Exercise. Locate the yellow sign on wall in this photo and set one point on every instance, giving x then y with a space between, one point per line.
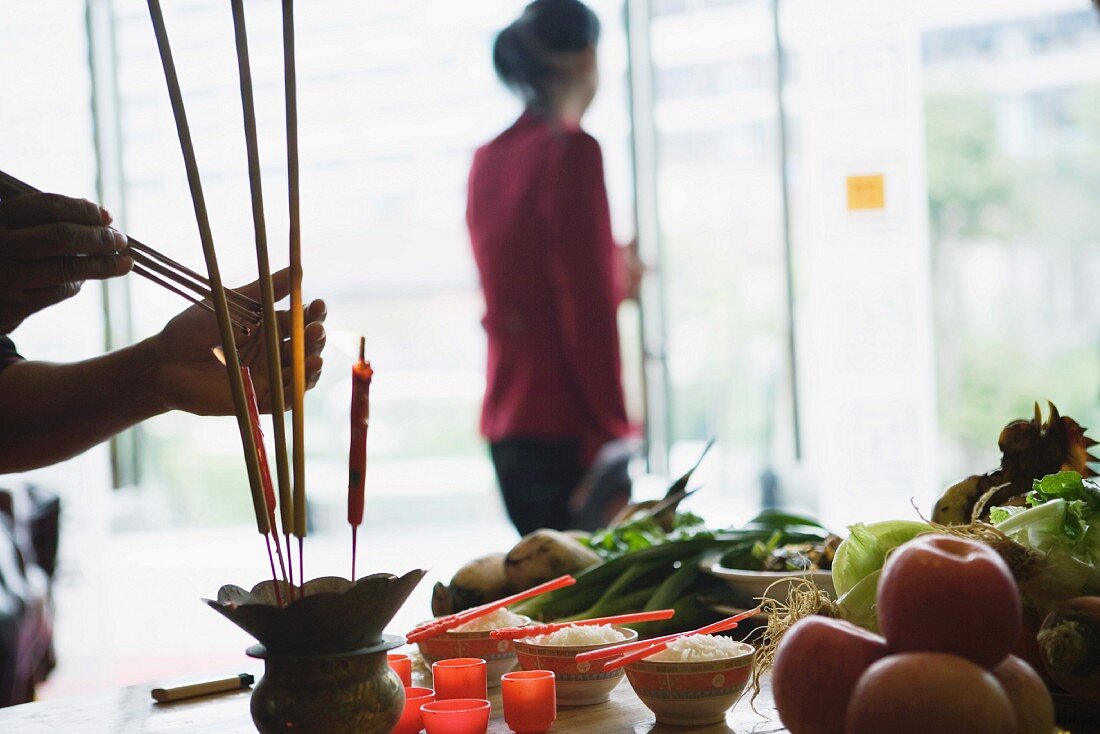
866 192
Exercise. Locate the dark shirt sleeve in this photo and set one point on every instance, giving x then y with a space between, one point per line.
582 264
8 355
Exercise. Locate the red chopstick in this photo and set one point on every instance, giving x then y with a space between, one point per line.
639 654
623 648
441 625
516 633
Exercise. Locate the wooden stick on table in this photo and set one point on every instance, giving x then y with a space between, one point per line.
221 306
297 314
267 290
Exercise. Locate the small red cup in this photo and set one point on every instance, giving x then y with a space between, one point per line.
401 665
456 716
530 700
460 678
410 721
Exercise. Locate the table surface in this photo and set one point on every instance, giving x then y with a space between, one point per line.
132 710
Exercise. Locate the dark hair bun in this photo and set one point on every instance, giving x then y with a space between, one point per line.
523 52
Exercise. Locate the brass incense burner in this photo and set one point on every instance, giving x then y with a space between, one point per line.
324 653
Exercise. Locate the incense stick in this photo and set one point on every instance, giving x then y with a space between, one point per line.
267 291
297 313
221 306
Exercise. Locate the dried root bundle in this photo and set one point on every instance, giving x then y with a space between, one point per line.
804 599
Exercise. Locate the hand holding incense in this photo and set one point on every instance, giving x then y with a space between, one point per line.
518 633
357 454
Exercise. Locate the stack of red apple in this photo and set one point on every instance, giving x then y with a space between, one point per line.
950 614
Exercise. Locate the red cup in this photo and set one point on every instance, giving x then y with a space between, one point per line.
530 700
401 665
456 716
460 678
410 721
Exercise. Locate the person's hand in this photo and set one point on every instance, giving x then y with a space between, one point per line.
49 245
190 377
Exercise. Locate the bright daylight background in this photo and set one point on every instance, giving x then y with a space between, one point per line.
920 329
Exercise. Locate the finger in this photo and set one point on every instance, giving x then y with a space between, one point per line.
314 364
31 274
60 238
36 208
280 283
315 338
317 311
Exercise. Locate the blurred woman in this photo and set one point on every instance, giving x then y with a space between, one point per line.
551 273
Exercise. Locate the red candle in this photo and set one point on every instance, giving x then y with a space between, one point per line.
411 721
456 716
459 678
402 665
530 700
357 453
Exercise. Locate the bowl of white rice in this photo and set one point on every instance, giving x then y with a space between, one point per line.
695 680
578 684
472 640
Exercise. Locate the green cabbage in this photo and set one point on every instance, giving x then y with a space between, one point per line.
864 550
1062 521
858 563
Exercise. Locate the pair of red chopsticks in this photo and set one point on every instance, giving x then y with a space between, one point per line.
516 633
441 625
632 652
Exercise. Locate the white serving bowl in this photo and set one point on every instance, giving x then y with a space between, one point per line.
762 584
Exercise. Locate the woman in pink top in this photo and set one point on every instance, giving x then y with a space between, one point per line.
551 273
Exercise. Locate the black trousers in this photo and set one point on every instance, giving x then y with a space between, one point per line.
536 478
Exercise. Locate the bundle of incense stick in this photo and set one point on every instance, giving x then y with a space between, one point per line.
292 499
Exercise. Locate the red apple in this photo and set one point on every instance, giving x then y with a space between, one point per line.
815 670
943 594
1028 695
926 693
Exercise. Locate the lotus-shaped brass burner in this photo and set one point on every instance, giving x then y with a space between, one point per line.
334 615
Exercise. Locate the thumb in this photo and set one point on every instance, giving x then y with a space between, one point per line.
280 282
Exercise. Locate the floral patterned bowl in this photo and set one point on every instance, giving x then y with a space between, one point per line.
578 684
692 694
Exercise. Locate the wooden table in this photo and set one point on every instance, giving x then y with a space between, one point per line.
132 710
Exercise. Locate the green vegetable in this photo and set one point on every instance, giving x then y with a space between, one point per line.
864 550
1062 521
647 568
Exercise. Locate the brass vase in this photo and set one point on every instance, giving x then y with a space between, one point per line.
324 653
328 693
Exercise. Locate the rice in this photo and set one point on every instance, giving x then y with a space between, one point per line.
589 634
697 648
496 620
